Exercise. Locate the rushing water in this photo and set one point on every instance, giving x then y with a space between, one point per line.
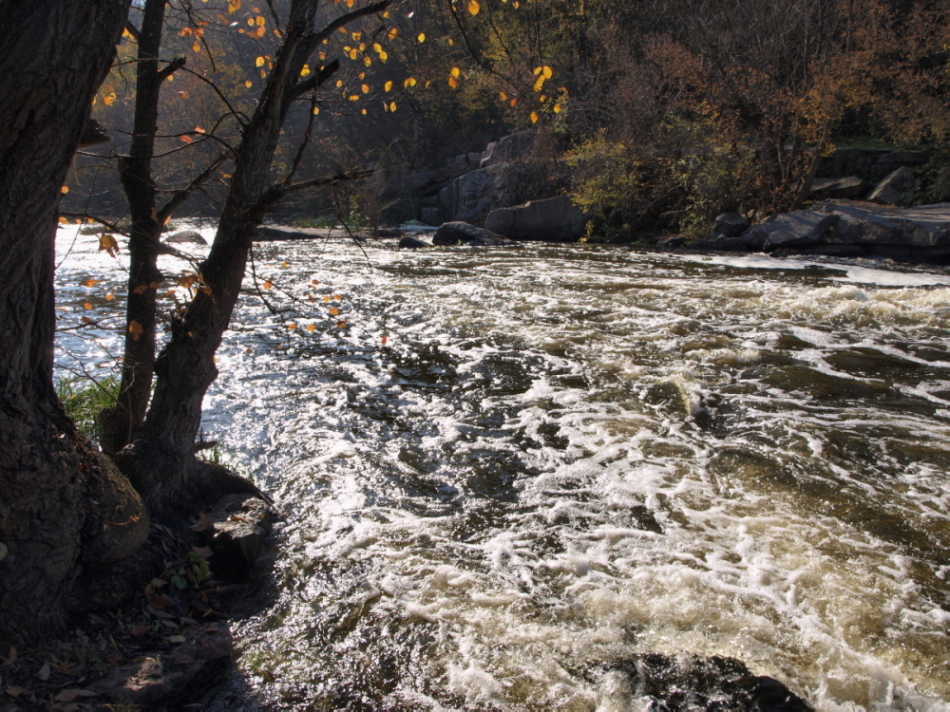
511 468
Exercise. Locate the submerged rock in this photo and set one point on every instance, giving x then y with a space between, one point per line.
412 243
692 682
461 233
186 236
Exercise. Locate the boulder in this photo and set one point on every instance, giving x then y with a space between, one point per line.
730 225
409 242
898 188
801 228
186 236
552 220
462 233
837 188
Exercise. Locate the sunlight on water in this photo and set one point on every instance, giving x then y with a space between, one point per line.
563 457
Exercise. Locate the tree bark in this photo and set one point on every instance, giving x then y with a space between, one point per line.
61 505
120 422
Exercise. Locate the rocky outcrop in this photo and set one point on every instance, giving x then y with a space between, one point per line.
469 186
551 220
917 235
898 188
845 188
462 233
870 164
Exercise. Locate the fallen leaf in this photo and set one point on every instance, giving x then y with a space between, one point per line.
44 672
11 656
67 695
177 639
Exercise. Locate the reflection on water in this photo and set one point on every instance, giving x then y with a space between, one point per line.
512 470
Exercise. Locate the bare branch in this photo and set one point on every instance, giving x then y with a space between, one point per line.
316 80
181 195
171 68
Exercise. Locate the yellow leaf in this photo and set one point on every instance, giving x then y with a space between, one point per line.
109 99
364 88
109 297
248 83
383 57
453 82
63 221
357 36
291 327
367 60
557 108
305 71
421 37
334 311
354 53
90 283
183 95
108 244
377 48
260 20
268 284
64 189
539 84
392 106
196 47
316 110
456 72
534 117
388 86
311 328
473 7
285 264
410 82
547 72
136 330
353 97
259 62
502 96
326 297
87 306
393 33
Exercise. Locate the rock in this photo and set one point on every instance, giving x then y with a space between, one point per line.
462 233
691 682
186 236
412 243
235 530
801 228
837 188
275 233
552 220
388 232
730 225
431 216
516 147
671 242
164 679
721 243
898 188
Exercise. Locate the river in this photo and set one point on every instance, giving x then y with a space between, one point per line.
506 472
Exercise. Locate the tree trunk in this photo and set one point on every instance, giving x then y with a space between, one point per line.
120 422
61 504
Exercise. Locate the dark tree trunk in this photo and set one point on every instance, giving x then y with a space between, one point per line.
61 504
120 422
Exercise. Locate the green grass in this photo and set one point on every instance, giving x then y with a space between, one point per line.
83 399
